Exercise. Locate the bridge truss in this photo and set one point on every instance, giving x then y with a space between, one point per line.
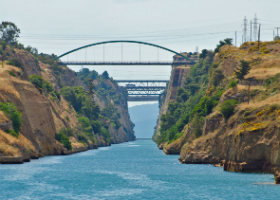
143 90
138 90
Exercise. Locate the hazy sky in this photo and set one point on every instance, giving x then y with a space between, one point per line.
57 26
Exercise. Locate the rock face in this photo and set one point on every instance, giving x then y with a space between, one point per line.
178 75
42 117
249 140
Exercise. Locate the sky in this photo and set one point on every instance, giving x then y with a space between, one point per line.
181 25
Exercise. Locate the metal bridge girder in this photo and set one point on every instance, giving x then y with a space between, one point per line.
125 41
123 63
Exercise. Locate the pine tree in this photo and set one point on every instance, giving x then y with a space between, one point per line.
91 87
242 70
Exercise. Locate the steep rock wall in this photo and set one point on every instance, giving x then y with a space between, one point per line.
43 116
178 75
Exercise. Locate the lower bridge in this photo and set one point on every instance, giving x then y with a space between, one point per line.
143 90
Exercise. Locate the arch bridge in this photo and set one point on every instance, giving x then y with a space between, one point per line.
138 90
183 61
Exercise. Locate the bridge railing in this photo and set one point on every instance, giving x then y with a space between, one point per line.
124 63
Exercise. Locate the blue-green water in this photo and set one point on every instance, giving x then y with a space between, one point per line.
134 170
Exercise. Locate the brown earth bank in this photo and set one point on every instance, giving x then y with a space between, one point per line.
43 116
249 140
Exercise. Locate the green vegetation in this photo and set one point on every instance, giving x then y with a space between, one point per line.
232 84
67 131
227 41
41 84
105 75
203 87
216 76
102 89
190 103
15 62
227 108
62 138
11 73
91 118
56 95
242 70
11 111
3 44
9 32
32 50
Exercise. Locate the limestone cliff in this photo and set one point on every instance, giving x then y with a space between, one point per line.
43 113
248 140
177 77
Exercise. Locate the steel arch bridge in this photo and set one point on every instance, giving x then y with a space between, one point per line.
189 61
136 93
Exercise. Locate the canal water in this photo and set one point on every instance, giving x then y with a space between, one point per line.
133 170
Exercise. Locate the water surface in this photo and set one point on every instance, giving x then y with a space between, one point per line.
133 170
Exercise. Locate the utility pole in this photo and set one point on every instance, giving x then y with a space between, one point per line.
245 29
251 31
236 38
259 36
255 27
277 31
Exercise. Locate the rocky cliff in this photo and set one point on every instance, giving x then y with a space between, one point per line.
45 113
177 78
248 139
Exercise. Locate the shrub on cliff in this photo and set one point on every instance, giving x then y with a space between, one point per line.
197 125
106 134
15 62
217 76
11 111
227 41
40 83
62 138
76 95
227 108
232 84
67 131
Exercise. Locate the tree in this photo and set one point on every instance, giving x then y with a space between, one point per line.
227 108
9 32
197 125
203 54
242 70
105 75
227 41
32 50
217 76
91 87
193 88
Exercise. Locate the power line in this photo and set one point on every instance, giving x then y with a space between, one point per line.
255 27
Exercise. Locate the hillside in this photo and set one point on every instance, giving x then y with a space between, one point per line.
46 109
144 117
223 120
